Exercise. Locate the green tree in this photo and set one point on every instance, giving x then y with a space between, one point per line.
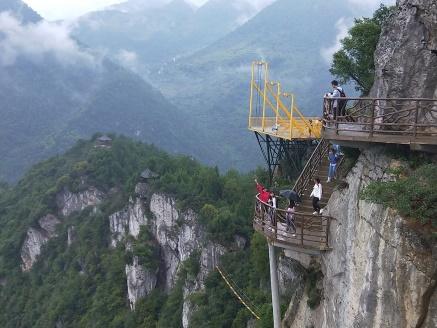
355 60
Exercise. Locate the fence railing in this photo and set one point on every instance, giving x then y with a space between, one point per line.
383 118
311 231
311 167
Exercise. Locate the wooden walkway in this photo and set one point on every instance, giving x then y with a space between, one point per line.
407 121
312 231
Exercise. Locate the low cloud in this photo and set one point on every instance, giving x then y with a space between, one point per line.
129 59
37 41
342 26
249 8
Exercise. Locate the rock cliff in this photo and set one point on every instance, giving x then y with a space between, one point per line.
381 272
406 58
178 236
69 202
36 237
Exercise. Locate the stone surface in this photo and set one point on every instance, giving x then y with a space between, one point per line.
69 202
128 221
405 66
380 271
36 237
140 282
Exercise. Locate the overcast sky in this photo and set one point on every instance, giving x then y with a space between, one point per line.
67 9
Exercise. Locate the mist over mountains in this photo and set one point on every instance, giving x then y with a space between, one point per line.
164 72
55 91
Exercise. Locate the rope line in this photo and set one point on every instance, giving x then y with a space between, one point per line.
236 294
240 291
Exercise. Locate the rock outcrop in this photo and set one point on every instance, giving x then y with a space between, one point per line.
140 282
69 202
127 221
178 236
405 65
36 237
381 272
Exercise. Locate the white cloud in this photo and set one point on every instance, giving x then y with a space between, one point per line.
129 59
342 26
35 41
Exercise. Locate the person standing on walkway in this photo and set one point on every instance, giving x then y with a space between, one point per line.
264 194
338 105
316 195
333 159
289 218
272 209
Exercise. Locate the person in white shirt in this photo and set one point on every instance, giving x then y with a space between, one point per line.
316 194
337 106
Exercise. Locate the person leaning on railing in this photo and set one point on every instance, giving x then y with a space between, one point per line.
335 106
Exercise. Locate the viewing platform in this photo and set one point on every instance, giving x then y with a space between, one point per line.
274 113
358 121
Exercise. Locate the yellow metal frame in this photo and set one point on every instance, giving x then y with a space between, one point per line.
277 118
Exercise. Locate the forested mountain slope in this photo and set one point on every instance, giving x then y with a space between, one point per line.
85 241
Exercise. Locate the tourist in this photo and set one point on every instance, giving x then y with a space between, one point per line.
316 195
263 193
333 158
337 106
289 217
272 208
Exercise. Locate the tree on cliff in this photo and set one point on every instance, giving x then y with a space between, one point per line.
354 61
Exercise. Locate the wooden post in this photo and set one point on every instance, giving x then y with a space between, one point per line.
372 119
416 116
328 226
301 230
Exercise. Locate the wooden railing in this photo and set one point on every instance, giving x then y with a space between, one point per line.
390 120
312 231
311 167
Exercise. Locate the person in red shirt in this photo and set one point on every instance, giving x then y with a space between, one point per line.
264 194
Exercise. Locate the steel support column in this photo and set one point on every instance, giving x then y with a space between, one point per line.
274 287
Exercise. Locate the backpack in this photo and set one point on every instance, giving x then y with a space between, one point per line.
342 102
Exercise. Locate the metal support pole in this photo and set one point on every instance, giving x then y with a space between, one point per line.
275 287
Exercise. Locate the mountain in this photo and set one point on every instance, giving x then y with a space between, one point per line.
144 36
213 83
87 242
20 10
56 92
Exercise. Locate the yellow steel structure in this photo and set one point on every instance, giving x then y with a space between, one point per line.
269 114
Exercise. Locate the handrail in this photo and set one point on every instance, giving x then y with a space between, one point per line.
386 120
311 230
311 166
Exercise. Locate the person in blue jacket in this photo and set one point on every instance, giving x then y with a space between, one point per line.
333 159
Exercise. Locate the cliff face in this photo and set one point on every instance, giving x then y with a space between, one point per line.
178 237
381 272
406 56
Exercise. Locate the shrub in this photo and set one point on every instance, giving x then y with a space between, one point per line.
413 196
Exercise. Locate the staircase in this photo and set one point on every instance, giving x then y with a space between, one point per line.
312 231
327 188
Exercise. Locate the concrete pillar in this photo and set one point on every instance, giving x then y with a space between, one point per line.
275 287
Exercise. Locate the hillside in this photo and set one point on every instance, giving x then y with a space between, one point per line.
85 241
55 91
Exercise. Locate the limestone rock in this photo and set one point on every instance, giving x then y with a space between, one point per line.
140 282
69 202
406 56
127 221
380 273
35 238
